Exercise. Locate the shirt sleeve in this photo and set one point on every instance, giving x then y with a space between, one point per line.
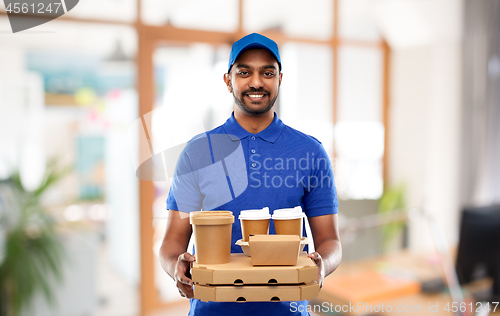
320 196
184 194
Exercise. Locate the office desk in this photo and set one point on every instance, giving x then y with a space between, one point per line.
402 299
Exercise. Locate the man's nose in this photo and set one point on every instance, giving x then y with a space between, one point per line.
256 81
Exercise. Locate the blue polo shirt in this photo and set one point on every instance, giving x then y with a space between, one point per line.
229 168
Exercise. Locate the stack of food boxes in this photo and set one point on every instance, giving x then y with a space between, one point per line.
273 268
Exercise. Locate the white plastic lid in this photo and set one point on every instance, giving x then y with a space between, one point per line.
288 213
255 214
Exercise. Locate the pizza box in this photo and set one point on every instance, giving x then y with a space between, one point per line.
255 293
240 271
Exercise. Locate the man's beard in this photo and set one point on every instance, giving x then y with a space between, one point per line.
250 111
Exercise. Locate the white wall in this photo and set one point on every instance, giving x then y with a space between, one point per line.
425 122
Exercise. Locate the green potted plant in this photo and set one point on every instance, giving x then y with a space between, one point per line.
33 253
391 204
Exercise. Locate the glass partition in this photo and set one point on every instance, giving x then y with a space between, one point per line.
207 15
359 132
313 19
306 96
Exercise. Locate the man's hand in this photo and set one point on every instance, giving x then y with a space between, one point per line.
316 257
183 276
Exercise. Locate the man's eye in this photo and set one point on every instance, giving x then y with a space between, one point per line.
243 73
269 74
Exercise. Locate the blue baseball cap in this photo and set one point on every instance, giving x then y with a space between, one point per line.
253 40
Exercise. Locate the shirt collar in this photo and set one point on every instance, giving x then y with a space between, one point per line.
270 134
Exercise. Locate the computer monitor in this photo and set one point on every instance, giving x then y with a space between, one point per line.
479 248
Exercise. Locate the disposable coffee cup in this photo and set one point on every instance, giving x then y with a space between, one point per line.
254 222
212 236
288 221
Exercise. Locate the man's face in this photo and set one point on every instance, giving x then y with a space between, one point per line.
254 81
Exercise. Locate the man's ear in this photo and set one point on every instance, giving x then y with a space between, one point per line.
281 77
227 80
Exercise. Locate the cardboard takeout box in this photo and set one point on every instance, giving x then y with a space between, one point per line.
255 293
240 271
212 235
246 248
274 249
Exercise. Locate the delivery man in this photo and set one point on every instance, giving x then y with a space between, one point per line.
282 168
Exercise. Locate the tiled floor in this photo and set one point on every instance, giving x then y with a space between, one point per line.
179 309
116 296
119 298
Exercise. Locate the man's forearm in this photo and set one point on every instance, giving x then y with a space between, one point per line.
175 241
169 253
331 253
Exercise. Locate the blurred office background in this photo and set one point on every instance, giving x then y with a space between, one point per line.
402 94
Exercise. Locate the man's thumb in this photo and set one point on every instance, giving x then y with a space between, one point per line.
313 255
187 257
